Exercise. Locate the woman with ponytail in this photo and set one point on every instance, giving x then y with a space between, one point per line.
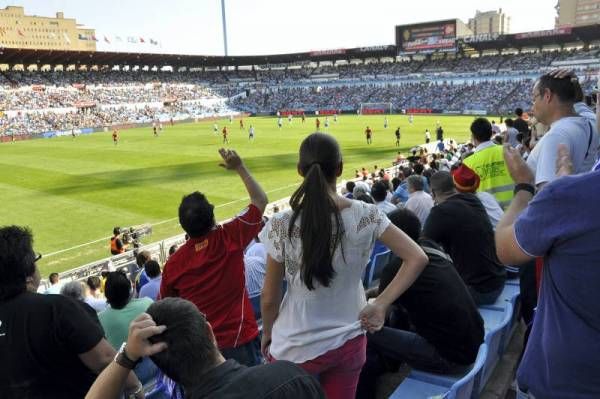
321 247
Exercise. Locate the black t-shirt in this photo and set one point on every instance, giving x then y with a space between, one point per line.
521 126
40 339
440 133
277 380
440 308
461 225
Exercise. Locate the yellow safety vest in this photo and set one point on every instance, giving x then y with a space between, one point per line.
493 173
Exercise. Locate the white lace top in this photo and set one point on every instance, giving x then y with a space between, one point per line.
311 323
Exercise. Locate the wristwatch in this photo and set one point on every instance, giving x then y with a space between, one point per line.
524 187
123 360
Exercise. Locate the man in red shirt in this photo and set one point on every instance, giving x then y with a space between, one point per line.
225 139
369 134
208 269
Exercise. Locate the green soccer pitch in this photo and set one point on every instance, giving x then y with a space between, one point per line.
73 191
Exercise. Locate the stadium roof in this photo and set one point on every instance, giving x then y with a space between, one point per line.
559 36
55 57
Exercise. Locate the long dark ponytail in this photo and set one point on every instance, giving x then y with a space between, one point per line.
320 159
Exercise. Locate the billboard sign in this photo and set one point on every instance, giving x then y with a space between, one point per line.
544 33
426 37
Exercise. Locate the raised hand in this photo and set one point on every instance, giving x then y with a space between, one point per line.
138 344
562 73
518 169
231 159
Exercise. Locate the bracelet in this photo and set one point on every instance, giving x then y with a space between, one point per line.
123 360
524 187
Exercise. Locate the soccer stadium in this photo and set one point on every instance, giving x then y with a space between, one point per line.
361 222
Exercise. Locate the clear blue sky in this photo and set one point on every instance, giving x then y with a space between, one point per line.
271 26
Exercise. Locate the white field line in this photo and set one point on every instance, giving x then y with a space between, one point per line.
161 222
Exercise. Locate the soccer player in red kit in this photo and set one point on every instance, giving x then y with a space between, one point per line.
225 139
369 134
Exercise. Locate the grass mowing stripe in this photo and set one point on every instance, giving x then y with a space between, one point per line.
71 191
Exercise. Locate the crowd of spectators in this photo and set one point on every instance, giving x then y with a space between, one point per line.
490 83
51 97
454 230
492 96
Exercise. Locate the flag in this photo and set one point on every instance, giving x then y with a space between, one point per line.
142 40
153 42
94 38
119 38
20 33
106 40
67 38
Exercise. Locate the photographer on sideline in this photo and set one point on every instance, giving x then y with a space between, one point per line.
116 244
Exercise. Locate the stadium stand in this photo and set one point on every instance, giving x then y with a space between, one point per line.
44 103
38 102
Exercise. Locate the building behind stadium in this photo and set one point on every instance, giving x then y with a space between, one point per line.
18 30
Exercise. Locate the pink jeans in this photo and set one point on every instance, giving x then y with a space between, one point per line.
338 370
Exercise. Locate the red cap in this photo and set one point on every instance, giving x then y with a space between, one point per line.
465 179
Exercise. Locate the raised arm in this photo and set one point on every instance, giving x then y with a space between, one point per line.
110 382
232 161
507 248
99 360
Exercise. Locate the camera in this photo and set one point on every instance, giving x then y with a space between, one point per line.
132 235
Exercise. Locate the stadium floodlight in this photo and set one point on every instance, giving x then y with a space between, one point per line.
375 108
224 27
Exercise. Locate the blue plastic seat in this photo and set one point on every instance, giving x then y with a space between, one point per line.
494 340
492 317
419 385
511 294
375 267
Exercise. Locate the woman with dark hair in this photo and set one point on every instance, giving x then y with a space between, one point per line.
321 246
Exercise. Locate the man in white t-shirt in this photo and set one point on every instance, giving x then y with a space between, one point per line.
510 136
419 202
553 100
55 284
495 128
379 192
